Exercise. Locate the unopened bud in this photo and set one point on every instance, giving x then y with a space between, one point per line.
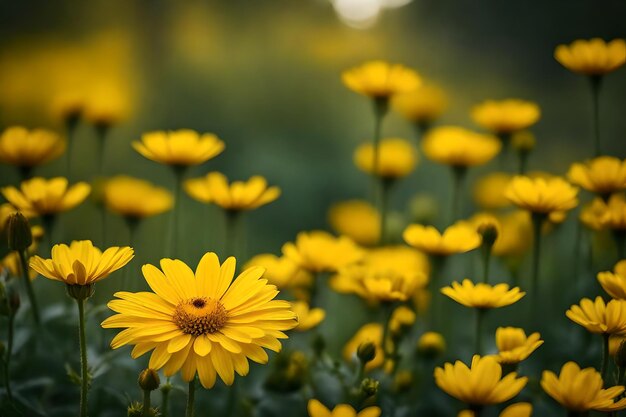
149 380
366 352
18 231
79 292
431 344
489 233
369 387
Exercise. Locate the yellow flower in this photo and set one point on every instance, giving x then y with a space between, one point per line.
180 147
42 197
422 105
12 263
204 322
615 342
480 384
317 409
603 175
592 214
356 219
431 343
237 196
459 238
540 195
482 295
372 333
592 57
614 213
401 318
489 191
308 317
396 158
459 147
281 271
106 106
81 263
598 317
506 116
68 106
516 234
380 79
513 344
513 410
29 148
319 251
614 283
135 198
581 389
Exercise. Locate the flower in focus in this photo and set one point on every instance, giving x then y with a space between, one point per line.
29 148
431 343
319 251
543 196
317 409
489 191
180 147
237 196
482 295
480 384
506 116
308 317
614 283
372 333
513 410
459 147
356 219
515 236
396 158
582 390
592 57
380 79
459 238
421 106
42 197
603 175
598 317
202 322
513 344
135 198
281 271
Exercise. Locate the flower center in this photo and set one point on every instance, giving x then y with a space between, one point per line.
198 316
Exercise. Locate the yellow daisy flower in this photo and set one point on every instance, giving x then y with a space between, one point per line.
423 105
281 271
180 147
598 316
592 57
29 148
488 191
459 238
397 158
356 219
319 251
592 214
614 283
308 317
106 107
204 323
135 198
401 318
459 147
506 116
431 343
516 234
603 175
614 213
480 384
513 344
482 295
380 79
317 409
513 410
42 197
539 195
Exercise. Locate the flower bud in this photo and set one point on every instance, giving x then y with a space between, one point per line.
620 356
369 387
18 231
135 410
366 352
79 292
149 380
489 232
431 344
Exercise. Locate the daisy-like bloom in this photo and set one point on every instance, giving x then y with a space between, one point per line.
479 385
542 196
431 343
237 196
513 410
598 316
489 190
459 147
204 322
614 213
369 333
41 197
580 390
401 319
308 317
397 158
603 175
25 148
317 409
459 238
482 295
380 79
421 106
134 198
592 57
504 117
614 283
513 344
281 271
516 234
592 215
357 219
180 147
319 251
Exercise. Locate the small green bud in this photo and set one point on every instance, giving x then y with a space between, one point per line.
620 356
135 410
149 380
369 387
366 352
18 231
79 292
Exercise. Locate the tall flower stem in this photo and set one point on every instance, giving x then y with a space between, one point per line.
458 177
388 311
29 286
478 341
486 252
84 367
165 398
381 107
537 220
70 128
102 132
605 356
434 284
132 223
190 398
145 412
179 173
596 83
233 229
522 160
9 352
620 242
385 186
49 221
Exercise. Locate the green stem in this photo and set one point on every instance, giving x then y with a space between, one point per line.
25 172
7 360
620 243
596 82
132 223
29 286
620 375
101 133
381 107
537 219
486 252
70 127
477 409
145 412
49 221
233 233
388 311
605 356
165 398
179 173
84 376
385 186
458 175
478 341
522 162
437 264
190 398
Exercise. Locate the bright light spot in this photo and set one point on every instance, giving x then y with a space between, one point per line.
392 4
358 13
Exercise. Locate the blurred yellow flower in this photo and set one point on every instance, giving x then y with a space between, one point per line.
592 214
237 196
614 283
513 410
135 198
506 116
542 196
480 384
615 341
423 105
513 344
582 390
204 322
29 148
482 295
180 147
603 175
487 225
81 263
12 263
308 317
372 333
489 191
598 317
614 213
516 234
42 197
281 271
592 57
397 158
459 147
459 238
317 409
356 219
319 251
106 106
68 106
380 79
431 343
523 141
